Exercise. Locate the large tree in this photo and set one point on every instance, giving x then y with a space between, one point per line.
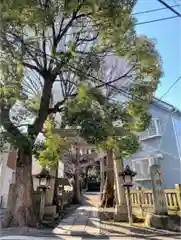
113 125
46 40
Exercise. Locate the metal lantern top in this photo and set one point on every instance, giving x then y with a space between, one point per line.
83 161
127 171
44 174
127 175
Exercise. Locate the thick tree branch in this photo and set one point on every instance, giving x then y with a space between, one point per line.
44 106
59 105
13 132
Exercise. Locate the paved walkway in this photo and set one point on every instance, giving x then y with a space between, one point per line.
84 223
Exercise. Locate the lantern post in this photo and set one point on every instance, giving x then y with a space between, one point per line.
44 184
128 175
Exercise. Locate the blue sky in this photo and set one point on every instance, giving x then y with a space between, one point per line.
168 38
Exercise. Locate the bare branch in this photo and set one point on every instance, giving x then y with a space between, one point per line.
44 50
69 24
22 125
33 57
120 77
89 39
61 25
62 33
116 79
24 47
33 67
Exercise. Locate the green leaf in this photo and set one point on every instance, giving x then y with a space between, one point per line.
19 68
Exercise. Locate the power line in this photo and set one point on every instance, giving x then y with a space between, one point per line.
176 3
91 77
88 31
169 7
155 10
125 93
157 20
119 90
170 87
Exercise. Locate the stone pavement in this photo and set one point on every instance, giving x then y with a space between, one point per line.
84 224
84 221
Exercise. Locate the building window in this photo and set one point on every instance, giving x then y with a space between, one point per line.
142 168
152 131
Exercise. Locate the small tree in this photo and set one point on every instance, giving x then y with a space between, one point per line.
49 152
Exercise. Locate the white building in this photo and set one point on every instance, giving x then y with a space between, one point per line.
7 173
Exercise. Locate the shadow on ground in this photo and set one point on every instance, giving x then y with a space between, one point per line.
81 220
109 227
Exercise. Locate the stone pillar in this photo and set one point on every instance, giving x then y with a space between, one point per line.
42 204
50 191
178 192
160 204
121 211
102 176
159 217
140 200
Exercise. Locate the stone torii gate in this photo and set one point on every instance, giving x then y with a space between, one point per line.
120 208
86 150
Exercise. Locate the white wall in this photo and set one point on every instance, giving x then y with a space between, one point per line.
5 177
61 170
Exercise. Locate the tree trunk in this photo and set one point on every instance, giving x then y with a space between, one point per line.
76 186
77 195
108 193
55 193
22 211
86 177
102 175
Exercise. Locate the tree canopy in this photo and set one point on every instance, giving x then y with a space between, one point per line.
64 42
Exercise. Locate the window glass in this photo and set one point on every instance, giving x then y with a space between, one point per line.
142 168
152 128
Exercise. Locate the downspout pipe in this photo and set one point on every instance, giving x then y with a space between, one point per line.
173 111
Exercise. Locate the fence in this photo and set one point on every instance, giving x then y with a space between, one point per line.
142 201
